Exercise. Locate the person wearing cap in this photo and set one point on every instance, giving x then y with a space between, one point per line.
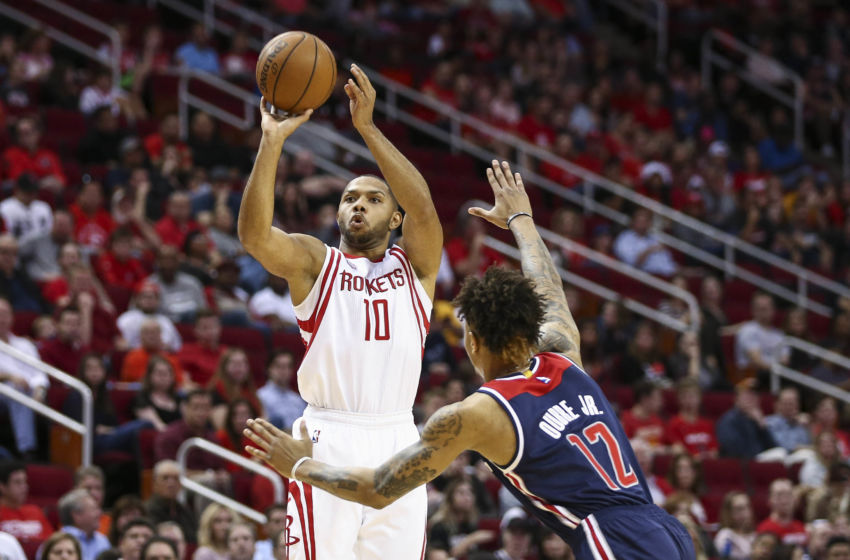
24 216
146 306
516 540
639 247
742 431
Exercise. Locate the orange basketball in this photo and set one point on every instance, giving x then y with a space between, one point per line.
296 71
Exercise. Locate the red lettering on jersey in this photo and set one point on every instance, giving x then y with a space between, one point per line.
399 275
345 281
358 283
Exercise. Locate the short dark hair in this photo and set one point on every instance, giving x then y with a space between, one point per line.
836 540
205 314
383 182
136 522
7 468
501 308
645 388
197 393
157 539
273 508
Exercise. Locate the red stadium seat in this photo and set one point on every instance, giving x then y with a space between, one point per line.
763 473
715 404
146 447
48 483
490 524
723 474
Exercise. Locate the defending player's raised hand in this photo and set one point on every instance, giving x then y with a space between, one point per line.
280 126
509 193
361 95
276 447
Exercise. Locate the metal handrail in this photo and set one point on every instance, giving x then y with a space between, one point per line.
598 289
189 484
658 23
60 37
777 370
819 351
97 25
711 57
84 428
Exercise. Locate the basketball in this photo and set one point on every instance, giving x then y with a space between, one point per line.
296 71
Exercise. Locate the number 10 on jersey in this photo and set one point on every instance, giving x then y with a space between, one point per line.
377 319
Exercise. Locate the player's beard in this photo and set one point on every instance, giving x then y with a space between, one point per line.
366 238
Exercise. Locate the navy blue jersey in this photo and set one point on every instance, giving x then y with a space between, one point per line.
573 458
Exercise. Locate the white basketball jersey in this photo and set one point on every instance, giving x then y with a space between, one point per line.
364 323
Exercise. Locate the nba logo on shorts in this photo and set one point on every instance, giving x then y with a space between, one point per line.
315 437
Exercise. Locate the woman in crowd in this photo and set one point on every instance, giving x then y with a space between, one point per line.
737 532
686 481
816 467
61 546
454 527
825 417
158 402
212 532
232 380
553 547
230 436
125 509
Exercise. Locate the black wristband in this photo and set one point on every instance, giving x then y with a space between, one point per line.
517 215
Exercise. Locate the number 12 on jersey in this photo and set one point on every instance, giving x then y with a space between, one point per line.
377 319
625 478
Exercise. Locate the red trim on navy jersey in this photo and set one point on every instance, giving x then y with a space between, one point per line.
310 324
597 543
324 305
551 366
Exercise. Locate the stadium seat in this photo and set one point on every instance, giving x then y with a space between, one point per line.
661 464
48 483
715 404
723 474
763 473
490 524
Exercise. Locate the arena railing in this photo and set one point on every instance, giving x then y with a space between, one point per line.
715 50
201 444
534 154
655 19
778 371
64 38
84 428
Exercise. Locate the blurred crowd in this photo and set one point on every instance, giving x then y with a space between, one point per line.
120 265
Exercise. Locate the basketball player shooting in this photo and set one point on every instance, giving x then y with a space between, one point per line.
363 310
542 424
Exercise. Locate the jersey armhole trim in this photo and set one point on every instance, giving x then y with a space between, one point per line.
520 441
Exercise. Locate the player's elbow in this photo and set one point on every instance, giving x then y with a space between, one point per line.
377 501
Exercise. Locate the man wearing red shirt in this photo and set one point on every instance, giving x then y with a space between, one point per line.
28 157
117 266
92 223
781 520
26 522
466 252
66 349
177 223
534 126
651 113
168 137
688 429
200 358
642 420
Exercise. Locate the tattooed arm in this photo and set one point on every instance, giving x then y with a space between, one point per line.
559 332
450 431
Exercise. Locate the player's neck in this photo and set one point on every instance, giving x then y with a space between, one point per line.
501 367
375 253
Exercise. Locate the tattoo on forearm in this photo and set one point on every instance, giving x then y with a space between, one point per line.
332 479
410 469
560 332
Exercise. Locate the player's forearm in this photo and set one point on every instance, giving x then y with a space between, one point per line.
257 209
537 266
407 184
354 484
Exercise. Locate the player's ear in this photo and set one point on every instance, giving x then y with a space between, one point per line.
396 219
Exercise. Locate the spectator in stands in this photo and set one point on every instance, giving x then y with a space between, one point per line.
640 248
159 548
552 546
275 523
687 362
816 467
195 422
232 380
146 306
758 344
230 436
782 501
40 253
15 283
466 250
125 509
177 223
838 548
687 430
454 527
25 522
643 420
734 540
182 295
92 222
108 433
158 144
65 351
61 546
24 216
281 403
221 234
516 538
685 478
133 537
787 425
742 431
273 305
69 257
172 531
91 480
101 144
642 361
97 311
158 401
28 156
659 488
216 521
164 505
15 91
825 418
241 541
22 377
101 93
116 266
197 53
198 257
208 149
765 546
713 318
228 298
200 358
151 344
780 155
79 515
